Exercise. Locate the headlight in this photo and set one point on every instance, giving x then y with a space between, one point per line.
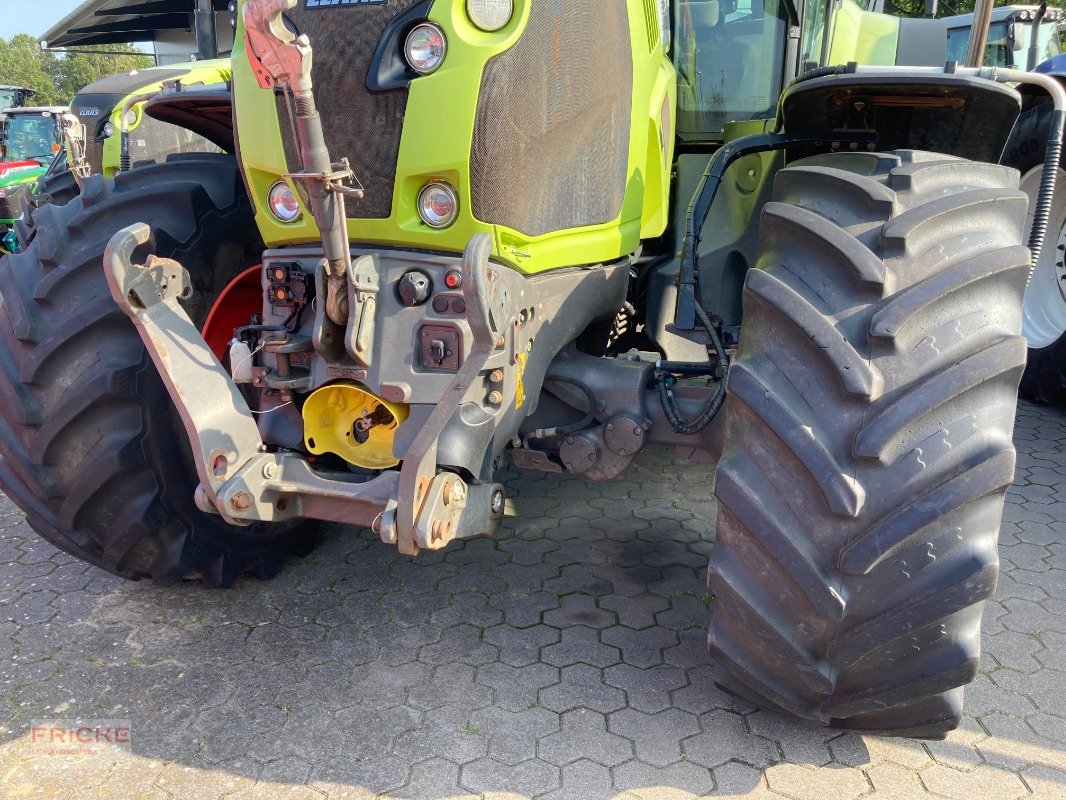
109 129
425 48
438 204
490 15
282 202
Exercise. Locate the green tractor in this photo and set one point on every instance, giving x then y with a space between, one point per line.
29 140
556 233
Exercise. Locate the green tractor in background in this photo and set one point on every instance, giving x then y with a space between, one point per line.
554 233
29 140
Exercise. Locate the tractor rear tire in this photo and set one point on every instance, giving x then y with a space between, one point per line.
53 188
1044 320
91 446
869 440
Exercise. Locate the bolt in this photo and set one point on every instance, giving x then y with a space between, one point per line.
592 456
241 501
496 504
622 451
638 431
568 465
458 492
496 376
270 470
495 397
570 440
610 426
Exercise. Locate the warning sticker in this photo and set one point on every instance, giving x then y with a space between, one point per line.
520 372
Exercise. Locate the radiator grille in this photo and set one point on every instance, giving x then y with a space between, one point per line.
551 137
154 140
365 128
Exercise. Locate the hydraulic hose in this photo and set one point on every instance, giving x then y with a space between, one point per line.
573 427
710 409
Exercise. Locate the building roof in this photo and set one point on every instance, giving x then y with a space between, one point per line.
122 21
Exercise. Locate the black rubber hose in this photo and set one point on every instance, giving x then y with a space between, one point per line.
1046 195
573 427
710 409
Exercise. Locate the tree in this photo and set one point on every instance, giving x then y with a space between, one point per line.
75 71
22 63
916 8
58 77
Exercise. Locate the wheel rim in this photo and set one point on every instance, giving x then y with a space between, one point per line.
1044 310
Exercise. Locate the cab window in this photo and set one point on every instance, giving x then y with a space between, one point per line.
729 56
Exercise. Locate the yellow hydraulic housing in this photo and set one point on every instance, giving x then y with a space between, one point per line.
346 420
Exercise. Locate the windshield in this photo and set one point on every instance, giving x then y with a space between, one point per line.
1008 44
729 56
30 136
8 98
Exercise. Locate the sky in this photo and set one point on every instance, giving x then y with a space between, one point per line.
33 16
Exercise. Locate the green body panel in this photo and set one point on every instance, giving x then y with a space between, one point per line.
201 72
11 179
436 143
865 37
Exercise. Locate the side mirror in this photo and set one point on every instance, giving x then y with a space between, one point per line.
1016 42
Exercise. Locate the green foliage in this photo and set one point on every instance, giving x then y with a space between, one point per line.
916 8
57 77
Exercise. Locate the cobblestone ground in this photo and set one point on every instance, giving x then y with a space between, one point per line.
563 659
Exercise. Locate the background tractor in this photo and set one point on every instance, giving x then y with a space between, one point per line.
556 233
29 140
95 140
14 96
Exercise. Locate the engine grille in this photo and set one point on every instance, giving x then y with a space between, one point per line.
363 127
154 140
551 137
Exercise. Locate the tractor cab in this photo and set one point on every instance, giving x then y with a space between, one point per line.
30 134
14 96
29 141
730 57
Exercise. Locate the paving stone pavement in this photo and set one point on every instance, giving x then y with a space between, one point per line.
564 659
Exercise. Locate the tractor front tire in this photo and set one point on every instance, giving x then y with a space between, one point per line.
869 440
91 446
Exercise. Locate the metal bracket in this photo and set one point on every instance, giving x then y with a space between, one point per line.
238 478
217 419
419 482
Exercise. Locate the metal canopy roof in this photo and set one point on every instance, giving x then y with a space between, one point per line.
122 21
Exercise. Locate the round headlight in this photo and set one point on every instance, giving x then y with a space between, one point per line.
490 15
438 204
425 48
282 202
109 129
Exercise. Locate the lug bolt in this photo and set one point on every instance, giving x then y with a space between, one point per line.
241 501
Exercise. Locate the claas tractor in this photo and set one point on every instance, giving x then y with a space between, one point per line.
458 234
121 120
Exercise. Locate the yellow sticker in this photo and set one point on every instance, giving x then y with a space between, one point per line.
520 389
